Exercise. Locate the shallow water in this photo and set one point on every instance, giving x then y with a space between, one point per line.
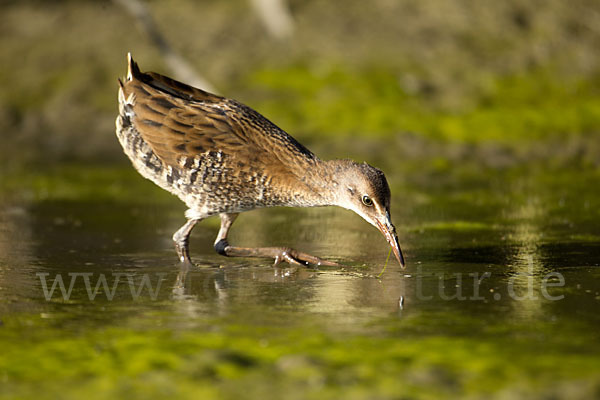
500 295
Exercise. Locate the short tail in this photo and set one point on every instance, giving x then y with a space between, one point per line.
132 68
165 84
127 97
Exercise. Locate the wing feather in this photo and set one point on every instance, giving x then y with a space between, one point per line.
178 120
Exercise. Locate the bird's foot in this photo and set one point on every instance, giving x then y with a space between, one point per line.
295 257
279 254
181 238
183 252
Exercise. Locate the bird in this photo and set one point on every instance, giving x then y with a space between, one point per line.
221 157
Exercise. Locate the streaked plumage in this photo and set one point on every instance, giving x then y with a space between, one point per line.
221 157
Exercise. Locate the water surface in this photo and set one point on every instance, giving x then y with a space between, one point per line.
499 298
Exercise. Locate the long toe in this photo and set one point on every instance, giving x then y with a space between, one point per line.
288 256
306 259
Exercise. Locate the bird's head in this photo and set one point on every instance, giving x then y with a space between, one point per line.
364 190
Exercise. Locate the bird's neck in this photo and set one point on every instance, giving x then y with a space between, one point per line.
325 179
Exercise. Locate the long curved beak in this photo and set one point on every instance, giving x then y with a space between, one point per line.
389 231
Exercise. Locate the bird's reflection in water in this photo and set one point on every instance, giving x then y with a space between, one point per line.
248 289
213 282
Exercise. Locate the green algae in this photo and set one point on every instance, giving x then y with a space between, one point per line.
516 110
246 360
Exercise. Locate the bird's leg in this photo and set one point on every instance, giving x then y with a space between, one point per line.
279 254
182 238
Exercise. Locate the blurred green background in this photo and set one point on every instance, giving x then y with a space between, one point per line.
507 80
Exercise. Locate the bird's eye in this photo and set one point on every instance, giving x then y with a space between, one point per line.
367 201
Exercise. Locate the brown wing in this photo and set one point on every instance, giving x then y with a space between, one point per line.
178 121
